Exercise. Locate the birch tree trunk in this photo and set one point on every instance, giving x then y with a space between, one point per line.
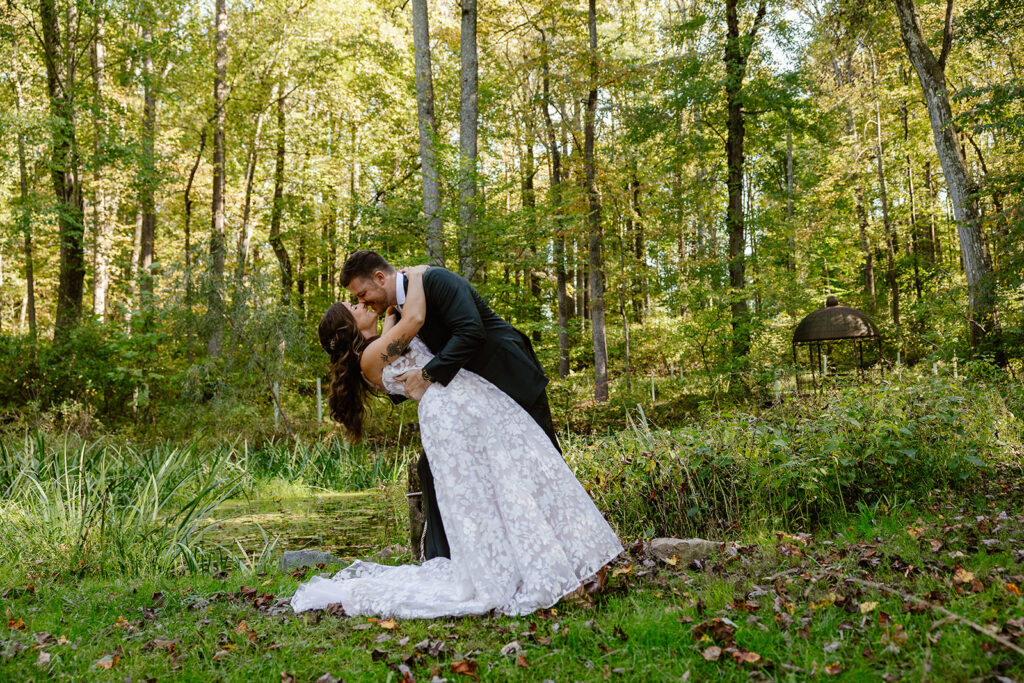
468 111
101 219
931 72
594 227
217 246
427 133
64 165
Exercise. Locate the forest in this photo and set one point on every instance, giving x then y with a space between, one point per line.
656 192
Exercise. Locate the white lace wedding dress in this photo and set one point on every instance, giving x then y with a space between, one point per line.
522 530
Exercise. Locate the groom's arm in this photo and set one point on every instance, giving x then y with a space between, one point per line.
450 297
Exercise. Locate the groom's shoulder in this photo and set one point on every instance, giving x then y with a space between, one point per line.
439 275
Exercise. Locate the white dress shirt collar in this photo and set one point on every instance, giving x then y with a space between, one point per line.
399 290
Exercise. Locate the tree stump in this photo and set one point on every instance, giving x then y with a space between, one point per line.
416 516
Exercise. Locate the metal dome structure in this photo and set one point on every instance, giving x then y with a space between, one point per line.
833 323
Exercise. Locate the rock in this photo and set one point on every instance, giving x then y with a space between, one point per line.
686 549
387 554
293 559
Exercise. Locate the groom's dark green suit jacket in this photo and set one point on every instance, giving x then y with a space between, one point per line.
462 331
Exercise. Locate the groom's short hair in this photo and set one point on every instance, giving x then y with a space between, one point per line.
363 263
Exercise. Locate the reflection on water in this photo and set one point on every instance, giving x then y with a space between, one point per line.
348 525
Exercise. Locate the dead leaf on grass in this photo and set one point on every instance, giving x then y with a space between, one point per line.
711 653
107 662
44 658
834 669
961 575
389 624
742 657
866 607
521 660
466 668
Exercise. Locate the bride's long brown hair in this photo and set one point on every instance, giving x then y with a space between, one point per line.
344 343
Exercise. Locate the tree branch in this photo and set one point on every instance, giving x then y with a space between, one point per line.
947 35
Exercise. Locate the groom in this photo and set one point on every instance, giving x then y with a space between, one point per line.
462 332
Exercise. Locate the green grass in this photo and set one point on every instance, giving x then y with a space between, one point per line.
643 629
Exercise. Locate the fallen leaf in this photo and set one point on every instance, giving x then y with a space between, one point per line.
123 623
672 561
389 624
16 624
711 653
44 658
160 643
746 657
834 668
511 648
465 668
1013 588
521 660
619 571
107 661
866 607
287 677
327 678
220 654
961 575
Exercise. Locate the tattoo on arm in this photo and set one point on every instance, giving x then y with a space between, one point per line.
395 349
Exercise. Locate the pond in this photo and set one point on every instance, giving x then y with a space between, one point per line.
349 525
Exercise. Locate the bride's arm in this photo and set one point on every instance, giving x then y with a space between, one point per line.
394 341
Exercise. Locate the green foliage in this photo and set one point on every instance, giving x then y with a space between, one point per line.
802 463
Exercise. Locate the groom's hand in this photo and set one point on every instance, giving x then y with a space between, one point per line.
415 384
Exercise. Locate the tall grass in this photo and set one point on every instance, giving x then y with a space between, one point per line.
803 462
70 504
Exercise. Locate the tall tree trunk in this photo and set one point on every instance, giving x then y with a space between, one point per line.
60 85
737 50
933 252
892 243
912 231
101 218
245 233
594 227
427 131
148 185
217 245
529 199
25 212
468 114
188 220
931 72
790 226
641 289
556 207
277 208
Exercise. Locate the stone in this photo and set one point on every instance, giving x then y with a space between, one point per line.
686 549
293 559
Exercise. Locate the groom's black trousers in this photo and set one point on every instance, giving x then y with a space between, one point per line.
435 543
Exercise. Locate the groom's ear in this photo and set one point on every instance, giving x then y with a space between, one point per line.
379 277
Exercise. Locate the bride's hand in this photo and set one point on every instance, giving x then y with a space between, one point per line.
414 270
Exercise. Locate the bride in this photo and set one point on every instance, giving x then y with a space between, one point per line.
523 532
